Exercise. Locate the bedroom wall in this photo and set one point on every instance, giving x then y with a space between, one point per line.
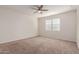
77 27
67 27
15 25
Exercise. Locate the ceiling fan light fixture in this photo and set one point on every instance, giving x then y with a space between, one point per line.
39 11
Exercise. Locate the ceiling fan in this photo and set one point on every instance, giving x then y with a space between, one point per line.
39 9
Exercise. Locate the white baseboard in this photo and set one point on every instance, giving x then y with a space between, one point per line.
57 39
6 41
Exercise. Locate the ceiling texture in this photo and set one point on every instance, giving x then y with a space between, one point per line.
52 9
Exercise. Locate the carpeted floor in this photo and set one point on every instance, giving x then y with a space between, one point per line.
39 45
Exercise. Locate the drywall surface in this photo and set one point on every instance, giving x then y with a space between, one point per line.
67 26
77 27
15 25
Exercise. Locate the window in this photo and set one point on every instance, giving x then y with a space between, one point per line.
53 25
48 25
56 24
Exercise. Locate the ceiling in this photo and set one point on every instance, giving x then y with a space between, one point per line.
52 9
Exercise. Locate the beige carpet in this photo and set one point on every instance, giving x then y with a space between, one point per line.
39 45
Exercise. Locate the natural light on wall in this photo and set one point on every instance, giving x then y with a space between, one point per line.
52 25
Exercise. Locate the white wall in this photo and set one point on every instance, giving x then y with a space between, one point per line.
68 26
15 25
77 27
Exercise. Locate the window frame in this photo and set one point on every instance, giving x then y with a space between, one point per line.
52 24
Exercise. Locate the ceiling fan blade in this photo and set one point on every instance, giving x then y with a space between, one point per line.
35 8
40 7
44 10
